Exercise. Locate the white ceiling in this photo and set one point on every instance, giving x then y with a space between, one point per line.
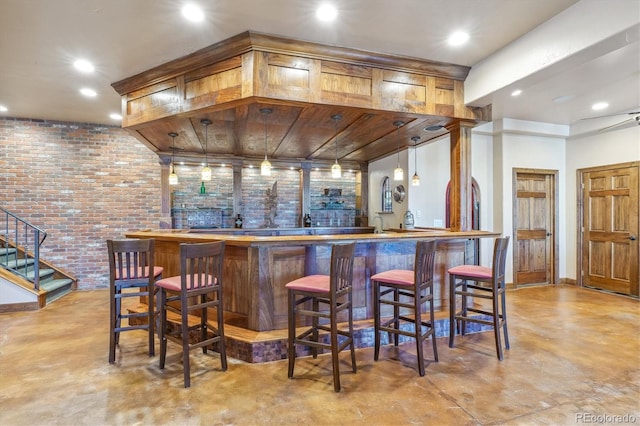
39 40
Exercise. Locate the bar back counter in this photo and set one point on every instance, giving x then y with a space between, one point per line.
259 262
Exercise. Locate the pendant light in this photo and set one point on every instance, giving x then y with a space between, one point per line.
206 170
398 173
265 167
173 177
415 180
336 170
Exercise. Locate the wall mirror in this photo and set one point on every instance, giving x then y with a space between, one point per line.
399 193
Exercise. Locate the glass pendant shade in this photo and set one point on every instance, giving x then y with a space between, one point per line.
206 170
173 177
336 170
415 180
265 167
398 173
206 173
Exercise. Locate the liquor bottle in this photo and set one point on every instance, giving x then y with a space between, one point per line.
203 190
307 220
238 222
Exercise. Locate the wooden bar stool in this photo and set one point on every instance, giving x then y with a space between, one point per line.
197 288
332 291
489 284
130 262
416 287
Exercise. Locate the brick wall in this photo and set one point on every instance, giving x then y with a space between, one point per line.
82 183
325 211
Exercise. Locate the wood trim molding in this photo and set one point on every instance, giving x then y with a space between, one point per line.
255 41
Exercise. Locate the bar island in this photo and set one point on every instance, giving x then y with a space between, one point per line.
257 267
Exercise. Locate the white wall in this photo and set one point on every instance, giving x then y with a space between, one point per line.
427 201
11 293
377 171
496 149
591 150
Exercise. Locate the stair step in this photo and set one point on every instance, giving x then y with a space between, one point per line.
56 288
4 251
44 273
18 263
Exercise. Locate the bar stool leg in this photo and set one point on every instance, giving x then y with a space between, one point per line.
418 333
163 327
376 319
396 314
292 333
452 308
504 317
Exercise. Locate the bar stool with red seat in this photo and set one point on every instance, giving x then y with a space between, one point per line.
488 284
333 290
417 288
130 261
197 288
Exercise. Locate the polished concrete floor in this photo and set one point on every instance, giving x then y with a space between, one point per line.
574 359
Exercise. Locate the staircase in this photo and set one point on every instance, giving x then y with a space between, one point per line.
27 282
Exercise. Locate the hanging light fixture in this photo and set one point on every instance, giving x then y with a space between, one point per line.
265 166
415 180
336 170
206 170
173 177
398 173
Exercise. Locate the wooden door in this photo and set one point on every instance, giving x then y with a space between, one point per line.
610 228
534 226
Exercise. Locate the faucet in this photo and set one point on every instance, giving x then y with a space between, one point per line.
378 230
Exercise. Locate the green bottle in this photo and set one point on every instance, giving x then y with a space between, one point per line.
203 190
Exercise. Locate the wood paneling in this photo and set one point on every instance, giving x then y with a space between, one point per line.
256 269
300 80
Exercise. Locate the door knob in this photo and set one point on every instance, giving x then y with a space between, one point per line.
548 234
632 238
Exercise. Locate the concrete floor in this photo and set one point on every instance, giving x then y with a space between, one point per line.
575 355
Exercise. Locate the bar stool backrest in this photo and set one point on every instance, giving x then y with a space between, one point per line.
341 268
425 258
130 260
499 260
201 266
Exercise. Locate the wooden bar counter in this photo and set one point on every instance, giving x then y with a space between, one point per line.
257 267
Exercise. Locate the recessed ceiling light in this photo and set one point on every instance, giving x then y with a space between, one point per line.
115 116
90 93
516 92
3 108
192 12
598 106
326 12
458 38
84 65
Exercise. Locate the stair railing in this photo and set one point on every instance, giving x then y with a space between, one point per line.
26 239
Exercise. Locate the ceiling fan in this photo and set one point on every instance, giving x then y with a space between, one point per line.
635 116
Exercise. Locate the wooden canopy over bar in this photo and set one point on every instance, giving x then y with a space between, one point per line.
304 84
